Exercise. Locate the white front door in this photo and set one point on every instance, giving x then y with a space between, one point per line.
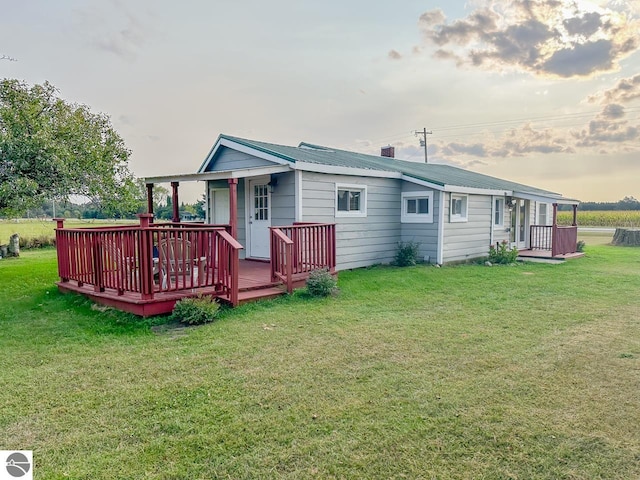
219 198
259 218
519 224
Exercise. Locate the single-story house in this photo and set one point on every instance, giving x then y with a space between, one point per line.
295 209
375 201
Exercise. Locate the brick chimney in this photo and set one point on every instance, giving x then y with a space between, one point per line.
388 151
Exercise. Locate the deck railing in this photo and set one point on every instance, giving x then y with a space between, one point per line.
565 240
149 259
541 237
301 248
559 240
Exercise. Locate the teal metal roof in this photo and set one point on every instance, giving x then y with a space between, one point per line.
438 174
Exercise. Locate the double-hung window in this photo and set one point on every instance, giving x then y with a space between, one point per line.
351 200
542 214
458 209
498 212
417 207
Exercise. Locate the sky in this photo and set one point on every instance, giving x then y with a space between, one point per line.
542 92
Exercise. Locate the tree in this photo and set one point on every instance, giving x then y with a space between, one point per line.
53 149
200 207
160 193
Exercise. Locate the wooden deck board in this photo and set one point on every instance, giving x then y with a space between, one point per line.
254 283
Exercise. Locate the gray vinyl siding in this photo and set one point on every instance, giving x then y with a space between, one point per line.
283 200
426 234
361 241
227 159
468 240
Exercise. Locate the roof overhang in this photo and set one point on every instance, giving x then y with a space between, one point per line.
455 188
220 175
241 147
545 198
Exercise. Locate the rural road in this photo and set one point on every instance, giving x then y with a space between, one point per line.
597 229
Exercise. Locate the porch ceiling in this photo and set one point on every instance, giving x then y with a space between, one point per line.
220 175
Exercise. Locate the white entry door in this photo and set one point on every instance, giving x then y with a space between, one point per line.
519 224
259 218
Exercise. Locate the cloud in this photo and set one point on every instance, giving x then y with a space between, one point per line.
586 25
476 149
609 131
613 111
433 17
114 28
607 127
624 91
581 59
394 55
556 38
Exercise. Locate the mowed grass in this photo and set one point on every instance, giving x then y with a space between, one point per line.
466 372
33 228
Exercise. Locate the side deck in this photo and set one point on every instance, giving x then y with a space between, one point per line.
146 269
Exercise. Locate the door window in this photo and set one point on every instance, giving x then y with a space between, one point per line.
261 202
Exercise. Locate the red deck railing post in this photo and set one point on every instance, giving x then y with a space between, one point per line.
174 200
150 199
233 206
145 252
554 232
289 266
98 266
62 250
273 254
235 268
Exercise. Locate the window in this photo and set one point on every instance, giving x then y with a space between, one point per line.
498 212
417 207
458 208
351 201
542 214
261 202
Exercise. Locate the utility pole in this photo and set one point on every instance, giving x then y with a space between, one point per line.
423 141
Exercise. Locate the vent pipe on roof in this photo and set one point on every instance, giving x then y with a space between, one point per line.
388 151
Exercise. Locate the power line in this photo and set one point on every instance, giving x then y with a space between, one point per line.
529 119
569 116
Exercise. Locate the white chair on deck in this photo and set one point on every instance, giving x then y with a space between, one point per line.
177 262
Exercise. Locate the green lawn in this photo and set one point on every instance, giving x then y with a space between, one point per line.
527 372
30 227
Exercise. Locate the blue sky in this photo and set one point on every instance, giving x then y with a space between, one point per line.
542 92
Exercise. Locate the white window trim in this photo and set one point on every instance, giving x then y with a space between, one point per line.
546 214
502 211
363 206
459 218
416 217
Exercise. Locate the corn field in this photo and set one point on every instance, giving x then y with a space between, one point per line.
603 218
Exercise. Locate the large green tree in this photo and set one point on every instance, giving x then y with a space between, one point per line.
50 148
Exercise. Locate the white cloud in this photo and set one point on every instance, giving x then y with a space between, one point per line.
545 37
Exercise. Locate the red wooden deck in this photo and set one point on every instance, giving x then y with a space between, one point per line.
254 284
146 269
